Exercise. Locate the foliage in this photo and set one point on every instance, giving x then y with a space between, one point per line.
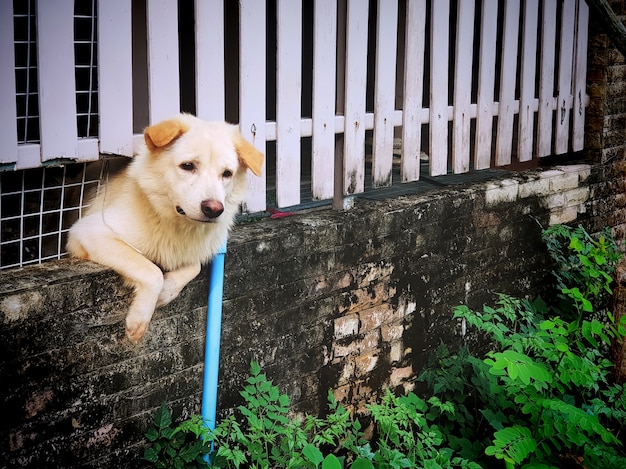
176 447
543 394
584 269
268 438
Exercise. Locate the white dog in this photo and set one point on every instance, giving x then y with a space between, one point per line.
168 212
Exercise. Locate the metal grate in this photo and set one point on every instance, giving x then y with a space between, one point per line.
26 71
86 67
37 208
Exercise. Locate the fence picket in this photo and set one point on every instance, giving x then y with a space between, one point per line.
323 106
545 112
385 92
413 88
580 77
566 60
340 85
115 77
527 81
210 93
288 99
163 77
57 100
462 86
355 89
8 108
486 78
439 43
508 72
252 95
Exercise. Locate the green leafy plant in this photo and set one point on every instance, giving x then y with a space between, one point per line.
263 435
178 446
585 267
542 395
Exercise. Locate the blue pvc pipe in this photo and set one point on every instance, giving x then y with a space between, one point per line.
212 345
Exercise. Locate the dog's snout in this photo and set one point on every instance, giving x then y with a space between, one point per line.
211 208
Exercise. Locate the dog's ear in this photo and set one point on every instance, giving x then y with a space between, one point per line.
248 154
162 134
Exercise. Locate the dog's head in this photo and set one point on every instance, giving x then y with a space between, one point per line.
196 168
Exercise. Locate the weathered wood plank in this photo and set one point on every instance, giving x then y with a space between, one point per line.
486 78
439 43
288 99
385 92
580 76
57 93
8 108
252 94
464 52
163 77
323 109
566 62
545 113
210 93
413 89
527 81
508 74
355 88
115 77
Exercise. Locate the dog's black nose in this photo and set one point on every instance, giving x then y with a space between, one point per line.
211 208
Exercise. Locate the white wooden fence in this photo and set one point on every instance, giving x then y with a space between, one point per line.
436 95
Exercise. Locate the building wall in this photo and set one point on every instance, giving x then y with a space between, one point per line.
351 301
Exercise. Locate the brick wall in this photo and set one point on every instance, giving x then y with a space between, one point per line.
606 143
350 301
605 136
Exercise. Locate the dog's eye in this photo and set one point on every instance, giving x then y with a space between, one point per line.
227 174
188 166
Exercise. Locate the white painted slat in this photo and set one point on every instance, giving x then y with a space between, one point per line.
323 110
464 53
546 78
163 77
486 77
439 43
508 73
385 92
580 76
527 81
115 77
252 80
288 99
8 108
28 156
57 85
210 94
566 61
413 89
88 149
355 88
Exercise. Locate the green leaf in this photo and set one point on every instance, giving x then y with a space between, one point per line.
255 368
331 462
513 444
362 463
150 454
162 417
313 454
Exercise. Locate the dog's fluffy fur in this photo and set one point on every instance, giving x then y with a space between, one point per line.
168 212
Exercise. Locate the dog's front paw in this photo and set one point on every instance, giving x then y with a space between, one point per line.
136 328
169 291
